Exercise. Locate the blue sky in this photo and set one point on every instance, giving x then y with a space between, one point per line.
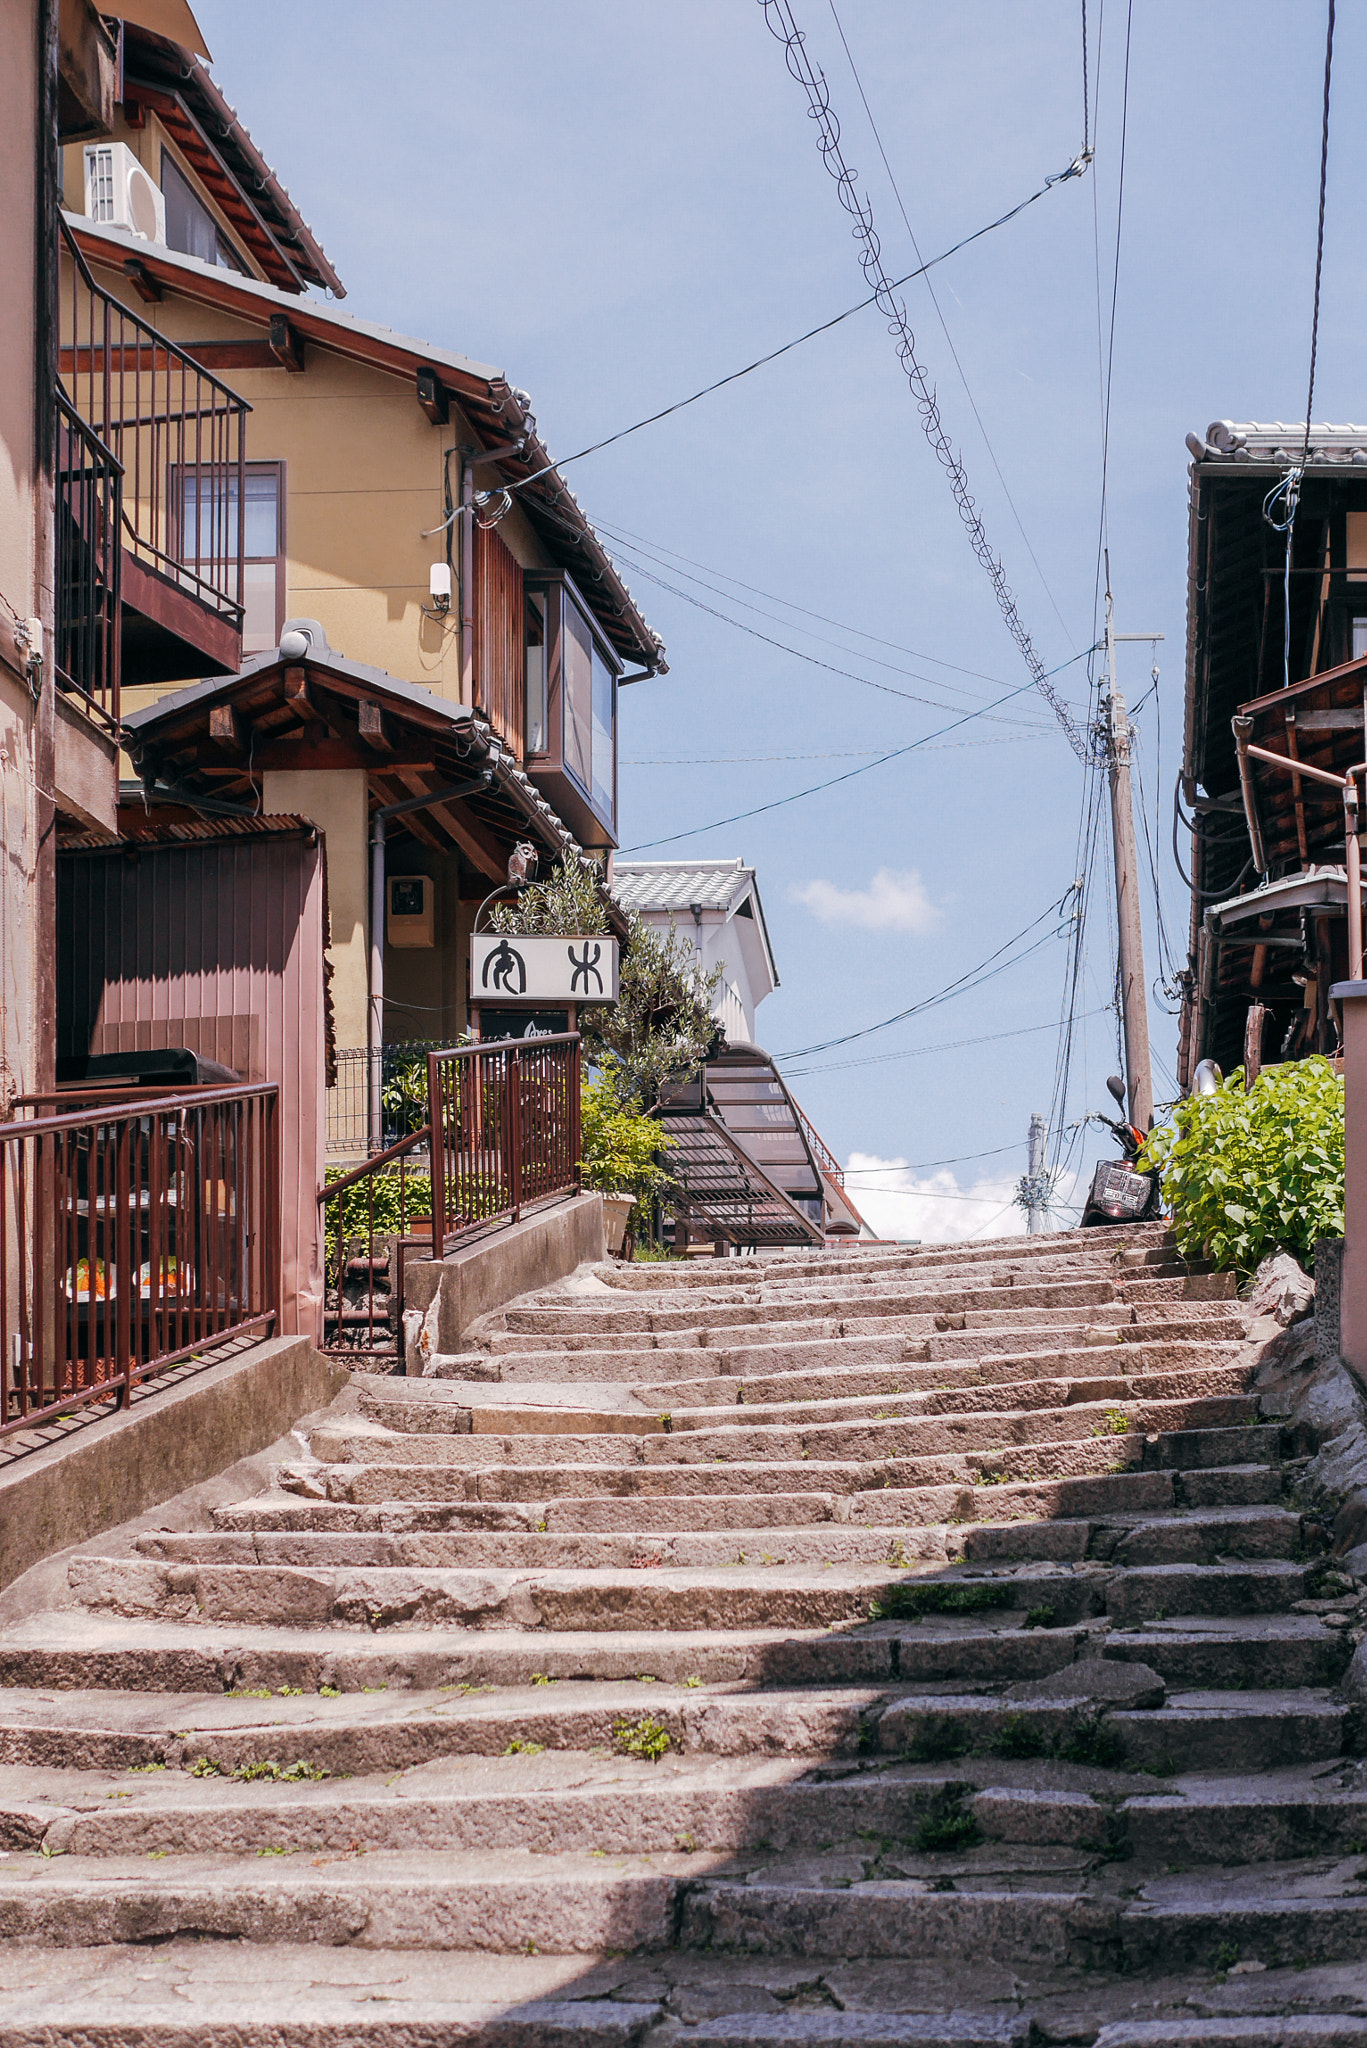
617 203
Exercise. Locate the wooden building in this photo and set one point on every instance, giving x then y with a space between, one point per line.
1275 691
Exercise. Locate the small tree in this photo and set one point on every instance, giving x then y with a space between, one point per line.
620 1146
661 1026
1245 1173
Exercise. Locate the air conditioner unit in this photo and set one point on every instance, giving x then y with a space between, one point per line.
119 191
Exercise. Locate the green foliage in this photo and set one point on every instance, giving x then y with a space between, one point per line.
521 1747
908 1602
646 1738
1039 1617
948 1829
620 1146
1244 1174
572 899
398 1198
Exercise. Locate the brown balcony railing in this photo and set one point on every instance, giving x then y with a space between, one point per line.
132 1234
88 513
175 430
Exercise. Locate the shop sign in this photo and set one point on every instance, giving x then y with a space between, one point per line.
508 969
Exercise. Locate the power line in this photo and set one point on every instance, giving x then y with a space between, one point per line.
970 977
1319 239
694 831
847 674
925 1165
653 549
879 1059
638 555
1074 170
802 67
944 325
1003 739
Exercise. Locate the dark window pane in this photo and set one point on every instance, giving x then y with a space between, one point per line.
190 227
604 736
577 660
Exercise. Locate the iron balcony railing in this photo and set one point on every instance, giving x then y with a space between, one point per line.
175 429
133 1234
88 516
500 1136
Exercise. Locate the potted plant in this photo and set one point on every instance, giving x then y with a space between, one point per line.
620 1152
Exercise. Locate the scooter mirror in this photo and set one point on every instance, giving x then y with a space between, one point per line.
1117 1088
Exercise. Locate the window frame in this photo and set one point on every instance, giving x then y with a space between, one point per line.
223 241
176 498
551 768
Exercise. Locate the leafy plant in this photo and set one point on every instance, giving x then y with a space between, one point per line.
620 1145
645 1738
1245 1173
520 1747
947 1829
397 1199
909 1602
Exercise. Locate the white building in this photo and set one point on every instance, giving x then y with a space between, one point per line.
715 903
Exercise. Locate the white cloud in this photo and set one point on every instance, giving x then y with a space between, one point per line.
895 901
937 1207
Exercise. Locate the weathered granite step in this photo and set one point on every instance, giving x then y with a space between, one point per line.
746 1596
385 1477
1187 1373
956 1430
74 1651
635 1548
1264 1651
1202 1537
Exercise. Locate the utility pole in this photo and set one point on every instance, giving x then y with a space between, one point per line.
1037 1214
1134 1004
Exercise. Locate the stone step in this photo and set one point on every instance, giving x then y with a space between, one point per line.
74 1651
191 1994
742 1597
958 1430
611 1320
1201 1537
1189 1373
636 1548
1264 1651
1087 1457
1267 1819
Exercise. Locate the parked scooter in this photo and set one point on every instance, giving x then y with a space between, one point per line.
1119 1192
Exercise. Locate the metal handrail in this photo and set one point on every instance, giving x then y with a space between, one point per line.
177 430
506 1136
133 1234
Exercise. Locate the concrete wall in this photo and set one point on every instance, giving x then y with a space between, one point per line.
170 1438
443 1298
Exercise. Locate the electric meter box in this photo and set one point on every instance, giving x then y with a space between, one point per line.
410 921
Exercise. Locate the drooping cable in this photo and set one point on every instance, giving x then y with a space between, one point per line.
1319 236
944 325
808 74
970 978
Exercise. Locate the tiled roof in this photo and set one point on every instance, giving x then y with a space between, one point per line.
677 884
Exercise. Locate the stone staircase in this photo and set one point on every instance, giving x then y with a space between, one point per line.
877 1647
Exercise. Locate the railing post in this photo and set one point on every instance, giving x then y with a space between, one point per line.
512 1125
576 1111
436 1152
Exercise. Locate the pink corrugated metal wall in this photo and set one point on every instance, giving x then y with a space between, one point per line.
215 943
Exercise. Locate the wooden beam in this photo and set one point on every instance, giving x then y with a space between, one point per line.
474 839
142 281
297 698
286 346
310 749
1347 718
433 398
374 727
224 728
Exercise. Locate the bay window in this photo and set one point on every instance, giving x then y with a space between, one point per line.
572 673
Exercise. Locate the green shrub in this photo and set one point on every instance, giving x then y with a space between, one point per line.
349 1214
1244 1174
620 1146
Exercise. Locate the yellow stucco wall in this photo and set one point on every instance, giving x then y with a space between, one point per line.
336 801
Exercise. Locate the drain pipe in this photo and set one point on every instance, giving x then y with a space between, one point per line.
378 822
